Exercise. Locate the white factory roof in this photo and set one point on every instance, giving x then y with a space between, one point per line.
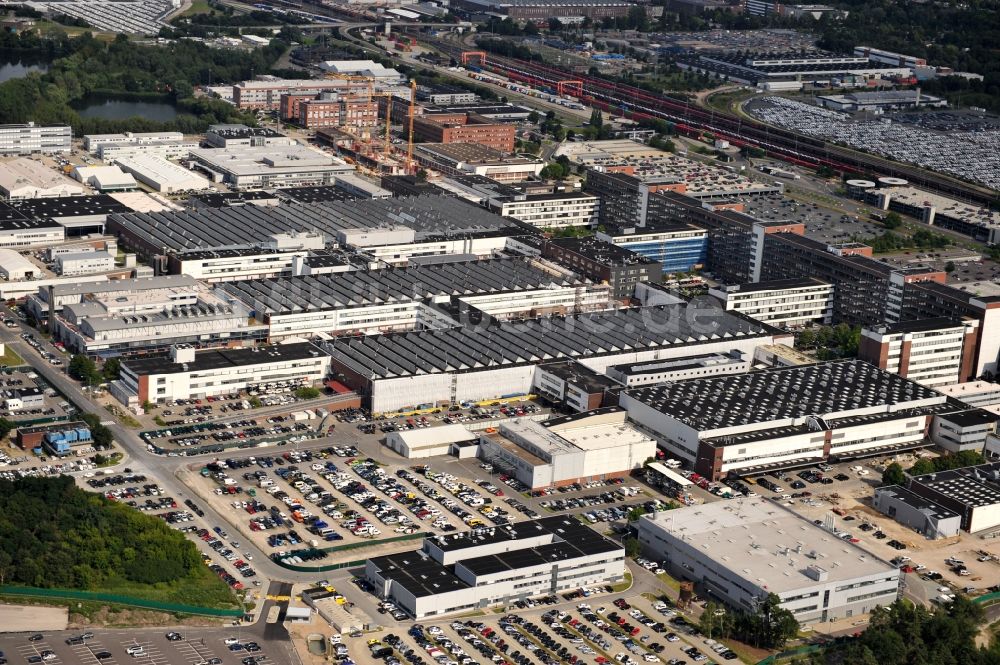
104 177
251 160
23 172
766 544
13 262
433 437
164 172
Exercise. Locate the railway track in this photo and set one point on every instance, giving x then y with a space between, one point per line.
693 120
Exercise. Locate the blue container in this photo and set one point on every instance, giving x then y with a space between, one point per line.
83 434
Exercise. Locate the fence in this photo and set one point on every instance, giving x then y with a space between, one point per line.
117 599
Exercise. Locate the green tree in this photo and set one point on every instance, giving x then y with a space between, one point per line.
553 171
921 467
633 548
112 369
6 427
307 392
893 475
949 267
533 117
84 369
892 221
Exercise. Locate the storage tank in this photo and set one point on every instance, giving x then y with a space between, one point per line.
70 435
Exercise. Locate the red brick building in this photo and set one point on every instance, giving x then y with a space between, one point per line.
343 112
464 128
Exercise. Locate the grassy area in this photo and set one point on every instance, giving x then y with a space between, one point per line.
124 417
110 460
202 588
670 582
197 7
624 584
10 358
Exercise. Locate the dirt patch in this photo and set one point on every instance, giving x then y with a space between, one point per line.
131 617
17 618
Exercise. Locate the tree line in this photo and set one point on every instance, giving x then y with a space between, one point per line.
54 534
84 66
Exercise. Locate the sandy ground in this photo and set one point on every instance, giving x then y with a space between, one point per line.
21 618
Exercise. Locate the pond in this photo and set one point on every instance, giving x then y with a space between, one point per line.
121 109
16 68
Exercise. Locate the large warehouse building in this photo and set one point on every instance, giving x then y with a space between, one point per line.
474 570
394 299
741 551
594 445
474 363
787 416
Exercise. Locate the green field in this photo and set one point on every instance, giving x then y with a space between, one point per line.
10 358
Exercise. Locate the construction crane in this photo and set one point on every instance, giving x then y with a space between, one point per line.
409 136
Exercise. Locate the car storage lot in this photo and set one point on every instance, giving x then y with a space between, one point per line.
565 632
199 645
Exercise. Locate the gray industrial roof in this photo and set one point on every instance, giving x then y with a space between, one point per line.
429 216
538 340
823 389
365 287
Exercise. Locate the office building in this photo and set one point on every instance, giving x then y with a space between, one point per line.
24 178
93 143
464 128
788 71
474 363
696 366
475 159
593 445
141 316
29 138
963 430
677 247
498 566
743 551
270 167
241 136
787 303
574 386
599 261
84 263
889 57
558 210
188 374
932 352
336 111
785 417
972 491
266 94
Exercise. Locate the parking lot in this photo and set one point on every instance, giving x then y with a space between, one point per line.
197 435
969 155
604 627
186 646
